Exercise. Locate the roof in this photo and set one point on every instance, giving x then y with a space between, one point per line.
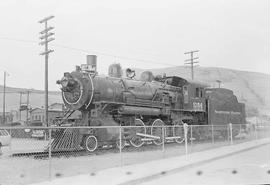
184 81
6 113
222 90
198 84
49 109
56 104
175 81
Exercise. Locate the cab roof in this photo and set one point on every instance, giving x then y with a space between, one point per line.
198 84
178 81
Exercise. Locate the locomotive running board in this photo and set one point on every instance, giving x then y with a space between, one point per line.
175 137
167 138
151 137
147 139
147 135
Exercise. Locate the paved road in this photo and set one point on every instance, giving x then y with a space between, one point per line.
250 167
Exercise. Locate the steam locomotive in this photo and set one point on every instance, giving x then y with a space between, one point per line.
146 105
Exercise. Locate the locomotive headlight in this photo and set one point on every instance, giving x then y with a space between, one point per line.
64 82
68 83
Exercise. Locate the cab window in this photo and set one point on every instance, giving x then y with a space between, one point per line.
197 92
201 93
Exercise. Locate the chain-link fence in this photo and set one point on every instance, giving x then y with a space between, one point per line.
36 154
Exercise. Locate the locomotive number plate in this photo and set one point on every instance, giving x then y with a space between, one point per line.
198 106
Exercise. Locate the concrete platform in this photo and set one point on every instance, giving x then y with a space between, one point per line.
135 174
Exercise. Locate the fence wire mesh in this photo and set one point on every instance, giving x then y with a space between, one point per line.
35 154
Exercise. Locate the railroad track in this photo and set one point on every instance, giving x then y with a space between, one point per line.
82 152
67 153
102 151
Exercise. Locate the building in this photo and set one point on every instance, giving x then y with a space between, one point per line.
8 117
37 115
58 106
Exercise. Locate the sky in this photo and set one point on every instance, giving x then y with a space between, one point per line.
138 34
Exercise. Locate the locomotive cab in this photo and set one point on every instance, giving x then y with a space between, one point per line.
194 96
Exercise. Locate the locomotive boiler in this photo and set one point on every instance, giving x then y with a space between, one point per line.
145 105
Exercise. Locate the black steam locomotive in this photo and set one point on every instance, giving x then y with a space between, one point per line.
147 104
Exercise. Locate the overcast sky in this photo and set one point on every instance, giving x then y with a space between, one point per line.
230 33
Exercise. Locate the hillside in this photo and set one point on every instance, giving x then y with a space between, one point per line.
250 87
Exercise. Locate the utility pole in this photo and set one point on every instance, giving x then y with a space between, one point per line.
219 83
4 99
191 61
20 115
27 107
45 37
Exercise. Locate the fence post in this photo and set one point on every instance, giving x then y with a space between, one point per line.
191 136
50 153
1 150
120 145
256 133
185 132
231 135
45 136
240 131
10 132
212 133
163 140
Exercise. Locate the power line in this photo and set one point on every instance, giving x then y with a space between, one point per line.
11 92
4 98
92 51
18 92
191 61
112 55
18 40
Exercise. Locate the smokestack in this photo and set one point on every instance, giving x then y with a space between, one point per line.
91 64
91 60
